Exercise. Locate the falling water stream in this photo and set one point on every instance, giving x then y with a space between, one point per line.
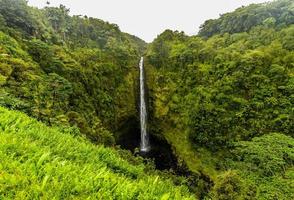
161 151
145 145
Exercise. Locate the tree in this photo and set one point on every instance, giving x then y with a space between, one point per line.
268 155
50 95
17 15
228 186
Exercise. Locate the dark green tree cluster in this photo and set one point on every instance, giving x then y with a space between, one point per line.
226 88
67 70
229 93
278 14
261 169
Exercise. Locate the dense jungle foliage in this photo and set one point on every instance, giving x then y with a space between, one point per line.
222 99
230 87
67 70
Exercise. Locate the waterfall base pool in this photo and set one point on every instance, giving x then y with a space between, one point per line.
161 152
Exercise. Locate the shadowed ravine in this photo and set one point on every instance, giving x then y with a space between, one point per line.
160 152
136 135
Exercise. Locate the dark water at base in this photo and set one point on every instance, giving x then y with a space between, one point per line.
160 151
163 156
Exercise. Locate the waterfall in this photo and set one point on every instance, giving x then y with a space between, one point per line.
144 146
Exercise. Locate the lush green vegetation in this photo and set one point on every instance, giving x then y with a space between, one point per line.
259 169
222 99
38 162
67 70
278 14
227 88
227 85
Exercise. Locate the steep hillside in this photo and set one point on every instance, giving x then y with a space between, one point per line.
67 70
278 13
207 95
50 163
220 107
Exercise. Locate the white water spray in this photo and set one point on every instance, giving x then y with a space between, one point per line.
144 146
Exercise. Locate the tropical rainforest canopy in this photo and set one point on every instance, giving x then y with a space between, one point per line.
223 101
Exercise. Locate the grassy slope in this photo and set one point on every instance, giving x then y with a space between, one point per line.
42 162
